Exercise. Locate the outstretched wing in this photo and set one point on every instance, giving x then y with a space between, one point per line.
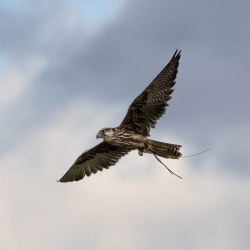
151 104
101 156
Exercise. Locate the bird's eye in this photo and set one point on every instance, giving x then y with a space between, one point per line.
102 131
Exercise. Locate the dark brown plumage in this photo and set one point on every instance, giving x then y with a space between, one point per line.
132 133
151 104
101 156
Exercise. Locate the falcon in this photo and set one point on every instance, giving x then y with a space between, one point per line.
133 132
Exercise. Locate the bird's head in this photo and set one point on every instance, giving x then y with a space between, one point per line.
105 133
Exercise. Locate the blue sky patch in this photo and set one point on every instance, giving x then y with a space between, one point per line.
97 10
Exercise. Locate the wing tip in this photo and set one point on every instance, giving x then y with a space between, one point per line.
61 181
65 179
177 54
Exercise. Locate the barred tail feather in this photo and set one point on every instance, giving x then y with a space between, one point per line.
167 153
166 150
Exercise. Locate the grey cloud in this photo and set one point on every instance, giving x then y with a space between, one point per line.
120 61
131 51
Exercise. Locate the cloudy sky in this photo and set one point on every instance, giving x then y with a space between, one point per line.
69 68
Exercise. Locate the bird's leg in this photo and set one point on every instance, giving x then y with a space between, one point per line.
171 172
149 147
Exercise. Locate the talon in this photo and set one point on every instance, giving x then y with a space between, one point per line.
140 152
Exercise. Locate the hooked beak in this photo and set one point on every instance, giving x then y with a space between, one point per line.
97 136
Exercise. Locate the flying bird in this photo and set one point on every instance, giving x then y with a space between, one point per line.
133 132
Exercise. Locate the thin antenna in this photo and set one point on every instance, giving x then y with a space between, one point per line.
196 154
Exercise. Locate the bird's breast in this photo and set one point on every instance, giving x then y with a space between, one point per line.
128 139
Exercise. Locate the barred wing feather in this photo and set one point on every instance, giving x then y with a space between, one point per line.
151 104
101 156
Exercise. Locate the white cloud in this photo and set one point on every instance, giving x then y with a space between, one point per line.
18 78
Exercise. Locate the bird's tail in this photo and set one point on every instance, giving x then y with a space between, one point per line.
165 150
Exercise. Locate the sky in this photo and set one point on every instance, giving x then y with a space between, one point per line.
70 68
